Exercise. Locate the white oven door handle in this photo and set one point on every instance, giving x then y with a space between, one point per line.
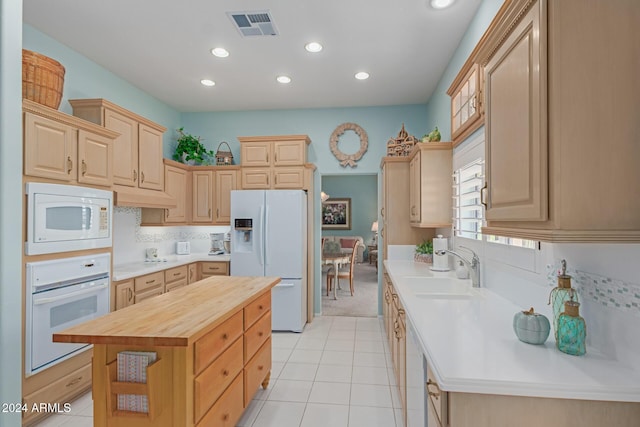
41 301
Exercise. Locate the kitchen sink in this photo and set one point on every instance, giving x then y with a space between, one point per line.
439 287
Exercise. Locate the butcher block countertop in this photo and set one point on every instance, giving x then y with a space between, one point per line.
175 319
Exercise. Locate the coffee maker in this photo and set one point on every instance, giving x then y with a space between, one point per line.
217 244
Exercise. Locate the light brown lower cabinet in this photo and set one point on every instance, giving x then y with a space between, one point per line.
61 384
131 291
490 410
175 278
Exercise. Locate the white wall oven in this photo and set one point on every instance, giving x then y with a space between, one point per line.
62 293
63 218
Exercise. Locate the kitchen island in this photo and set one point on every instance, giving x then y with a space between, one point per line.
212 340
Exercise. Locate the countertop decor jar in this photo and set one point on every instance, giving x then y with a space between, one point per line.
561 294
531 327
572 330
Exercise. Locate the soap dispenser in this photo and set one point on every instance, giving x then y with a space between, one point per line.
561 294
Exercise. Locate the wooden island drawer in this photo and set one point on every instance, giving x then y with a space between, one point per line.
256 371
257 308
210 384
210 346
228 409
256 336
148 281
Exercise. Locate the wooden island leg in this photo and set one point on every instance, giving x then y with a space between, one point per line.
265 382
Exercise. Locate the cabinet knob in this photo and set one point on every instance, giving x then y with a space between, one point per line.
225 373
225 336
260 333
260 307
225 417
260 367
69 165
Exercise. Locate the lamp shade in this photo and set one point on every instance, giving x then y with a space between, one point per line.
374 226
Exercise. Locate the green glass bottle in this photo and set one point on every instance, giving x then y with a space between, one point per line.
561 294
572 330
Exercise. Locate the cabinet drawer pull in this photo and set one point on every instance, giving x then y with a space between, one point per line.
141 176
217 213
435 394
267 157
135 175
84 167
148 282
69 165
275 157
74 381
382 211
129 294
176 274
401 312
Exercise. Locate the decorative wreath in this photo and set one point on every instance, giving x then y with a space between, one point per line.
348 159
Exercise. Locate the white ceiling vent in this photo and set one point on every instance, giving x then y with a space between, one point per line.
256 23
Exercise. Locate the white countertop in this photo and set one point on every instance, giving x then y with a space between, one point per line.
471 347
134 269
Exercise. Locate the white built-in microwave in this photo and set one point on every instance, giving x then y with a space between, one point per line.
62 218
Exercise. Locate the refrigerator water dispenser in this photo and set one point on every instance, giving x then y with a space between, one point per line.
244 230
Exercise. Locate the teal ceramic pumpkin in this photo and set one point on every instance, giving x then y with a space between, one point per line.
531 327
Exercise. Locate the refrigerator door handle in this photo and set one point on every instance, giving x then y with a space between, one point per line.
261 253
284 285
266 234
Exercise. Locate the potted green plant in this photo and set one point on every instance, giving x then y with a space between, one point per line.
190 150
424 252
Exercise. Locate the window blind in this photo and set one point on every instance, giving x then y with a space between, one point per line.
468 212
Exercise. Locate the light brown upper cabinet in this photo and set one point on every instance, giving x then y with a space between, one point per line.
274 162
65 148
430 189
225 180
177 185
561 121
396 205
138 148
202 207
466 102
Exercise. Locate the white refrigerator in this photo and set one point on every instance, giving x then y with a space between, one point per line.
269 238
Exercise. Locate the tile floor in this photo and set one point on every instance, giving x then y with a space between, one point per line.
337 373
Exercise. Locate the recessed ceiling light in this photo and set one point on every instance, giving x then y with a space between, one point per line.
362 75
313 47
207 82
283 79
220 52
440 4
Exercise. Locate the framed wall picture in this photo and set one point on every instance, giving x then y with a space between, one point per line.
336 214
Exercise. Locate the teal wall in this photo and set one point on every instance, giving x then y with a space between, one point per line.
363 191
439 105
86 79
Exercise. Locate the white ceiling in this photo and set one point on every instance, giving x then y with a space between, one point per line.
163 47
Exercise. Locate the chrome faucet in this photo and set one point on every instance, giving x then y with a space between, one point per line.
473 266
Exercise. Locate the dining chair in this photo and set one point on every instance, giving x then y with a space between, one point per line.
345 273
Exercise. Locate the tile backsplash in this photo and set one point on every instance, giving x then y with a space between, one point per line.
130 239
607 292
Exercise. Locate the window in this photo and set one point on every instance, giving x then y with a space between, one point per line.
468 212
